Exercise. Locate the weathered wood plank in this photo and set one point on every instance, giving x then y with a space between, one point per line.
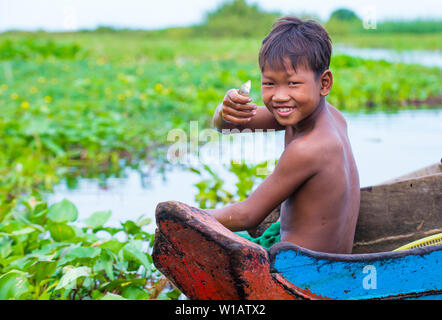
427 171
205 260
394 214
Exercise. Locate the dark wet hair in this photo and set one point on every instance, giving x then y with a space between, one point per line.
303 42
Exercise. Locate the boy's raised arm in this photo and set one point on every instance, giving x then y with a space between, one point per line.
296 165
235 112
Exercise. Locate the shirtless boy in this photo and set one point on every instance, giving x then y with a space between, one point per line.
315 180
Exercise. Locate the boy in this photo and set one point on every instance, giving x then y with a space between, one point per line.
315 180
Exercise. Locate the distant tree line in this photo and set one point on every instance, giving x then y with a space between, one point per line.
237 18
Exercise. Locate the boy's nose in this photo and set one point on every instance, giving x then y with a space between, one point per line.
280 96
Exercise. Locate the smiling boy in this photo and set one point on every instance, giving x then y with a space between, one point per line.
315 180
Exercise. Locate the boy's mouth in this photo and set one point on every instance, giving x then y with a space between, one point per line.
284 110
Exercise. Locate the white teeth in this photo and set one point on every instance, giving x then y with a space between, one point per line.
285 109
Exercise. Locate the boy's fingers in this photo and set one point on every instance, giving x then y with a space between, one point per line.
237 113
236 97
236 120
238 106
245 107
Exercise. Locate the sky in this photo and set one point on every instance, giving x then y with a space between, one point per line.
68 15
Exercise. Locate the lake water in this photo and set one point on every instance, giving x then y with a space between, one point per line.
385 145
429 58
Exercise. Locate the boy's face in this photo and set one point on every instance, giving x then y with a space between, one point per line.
290 96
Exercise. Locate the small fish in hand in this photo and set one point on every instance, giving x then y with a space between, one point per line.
244 90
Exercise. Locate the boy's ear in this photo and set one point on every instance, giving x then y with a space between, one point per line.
326 82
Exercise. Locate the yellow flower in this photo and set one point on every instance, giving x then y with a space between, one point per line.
33 90
41 80
25 105
101 61
5 86
48 99
14 96
120 96
158 87
143 96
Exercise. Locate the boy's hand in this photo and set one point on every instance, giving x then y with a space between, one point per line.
236 108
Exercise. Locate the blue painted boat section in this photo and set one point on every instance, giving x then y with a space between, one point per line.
365 276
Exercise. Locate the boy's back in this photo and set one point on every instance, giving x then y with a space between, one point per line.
322 214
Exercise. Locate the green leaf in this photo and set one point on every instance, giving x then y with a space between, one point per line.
112 296
13 285
21 232
143 221
42 270
5 247
98 219
134 293
173 294
112 244
195 170
64 211
84 252
121 283
97 295
131 253
68 280
61 232
131 227
52 146
106 263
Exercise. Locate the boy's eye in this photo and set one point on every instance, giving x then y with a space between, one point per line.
267 83
293 83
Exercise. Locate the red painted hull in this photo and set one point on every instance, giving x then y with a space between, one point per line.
206 261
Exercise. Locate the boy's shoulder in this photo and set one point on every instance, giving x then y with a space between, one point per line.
310 155
312 145
338 116
303 151
319 142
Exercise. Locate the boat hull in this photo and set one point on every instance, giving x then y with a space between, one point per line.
407 274
206 261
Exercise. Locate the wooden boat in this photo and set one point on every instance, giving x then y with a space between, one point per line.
205 260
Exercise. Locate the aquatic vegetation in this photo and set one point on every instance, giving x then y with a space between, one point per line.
211 189
361 84
30 48
46 254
